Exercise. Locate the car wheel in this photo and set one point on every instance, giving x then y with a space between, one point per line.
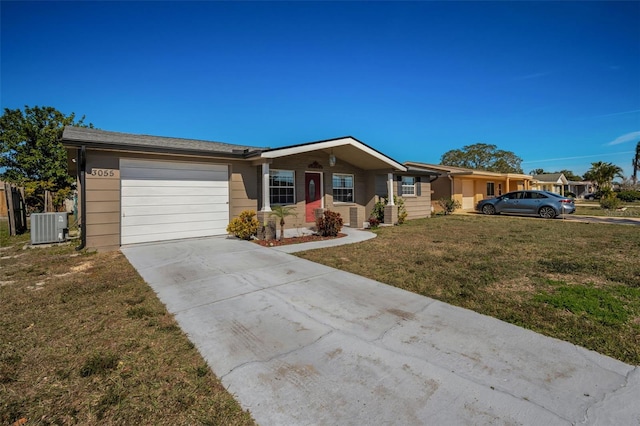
488 209
547 212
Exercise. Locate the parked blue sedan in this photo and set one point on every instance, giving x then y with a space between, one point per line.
541 203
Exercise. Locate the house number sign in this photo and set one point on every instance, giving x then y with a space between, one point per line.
103 172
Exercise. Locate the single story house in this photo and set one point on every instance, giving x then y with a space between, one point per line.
580 188
469 186
139 188
552 182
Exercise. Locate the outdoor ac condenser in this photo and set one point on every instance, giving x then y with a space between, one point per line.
48 228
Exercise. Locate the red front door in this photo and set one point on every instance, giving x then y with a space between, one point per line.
312 194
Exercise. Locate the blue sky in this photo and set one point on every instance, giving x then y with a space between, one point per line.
558 83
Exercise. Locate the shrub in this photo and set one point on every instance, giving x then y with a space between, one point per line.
374 222
402 211
329 224
244 226
449 205
610 203
378 210
629 196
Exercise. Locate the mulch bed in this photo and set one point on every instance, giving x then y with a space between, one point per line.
295 240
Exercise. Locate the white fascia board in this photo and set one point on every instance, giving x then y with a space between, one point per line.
301 149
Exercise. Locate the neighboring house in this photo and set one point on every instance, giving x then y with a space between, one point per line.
580 188
469 186
138 188
553 182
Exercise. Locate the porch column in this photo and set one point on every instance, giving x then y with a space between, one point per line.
266 202
390 189
507 189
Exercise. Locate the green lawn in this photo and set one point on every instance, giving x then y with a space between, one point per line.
83 340
575 281
627 210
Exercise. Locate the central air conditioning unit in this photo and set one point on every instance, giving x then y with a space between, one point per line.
48 228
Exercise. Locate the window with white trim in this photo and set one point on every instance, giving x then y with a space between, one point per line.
491 192
282 187
343 188
408 186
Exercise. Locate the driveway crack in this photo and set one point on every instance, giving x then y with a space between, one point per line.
277 356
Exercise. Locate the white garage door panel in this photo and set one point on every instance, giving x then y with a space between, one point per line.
168 200
162 229
175 200
173 174
156 183
134 239
135 191
169 210
169 219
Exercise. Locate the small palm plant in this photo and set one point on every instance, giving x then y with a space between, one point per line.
281 212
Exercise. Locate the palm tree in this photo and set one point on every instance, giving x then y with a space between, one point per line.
603 174
636 164
281 212
537 172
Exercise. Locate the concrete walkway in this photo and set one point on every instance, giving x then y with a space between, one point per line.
299 343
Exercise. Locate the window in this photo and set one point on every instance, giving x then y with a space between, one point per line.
408 185
342 188
534 195
282 187
490 189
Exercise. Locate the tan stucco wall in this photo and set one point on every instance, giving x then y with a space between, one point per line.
243 188
102 200
441 188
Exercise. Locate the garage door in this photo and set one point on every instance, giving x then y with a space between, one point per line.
467 195
170 200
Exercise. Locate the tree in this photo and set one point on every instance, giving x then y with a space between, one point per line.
482 156
636 164
33 156
603 174
282 212
537 172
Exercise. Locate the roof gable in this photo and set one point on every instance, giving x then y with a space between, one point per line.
551 177
347 148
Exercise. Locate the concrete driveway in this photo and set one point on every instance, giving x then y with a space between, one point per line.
299 343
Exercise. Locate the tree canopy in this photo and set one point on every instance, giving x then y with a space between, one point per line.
482 156
603 174
31 152
570 175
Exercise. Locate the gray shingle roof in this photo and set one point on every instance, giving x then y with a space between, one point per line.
548 177
76 136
